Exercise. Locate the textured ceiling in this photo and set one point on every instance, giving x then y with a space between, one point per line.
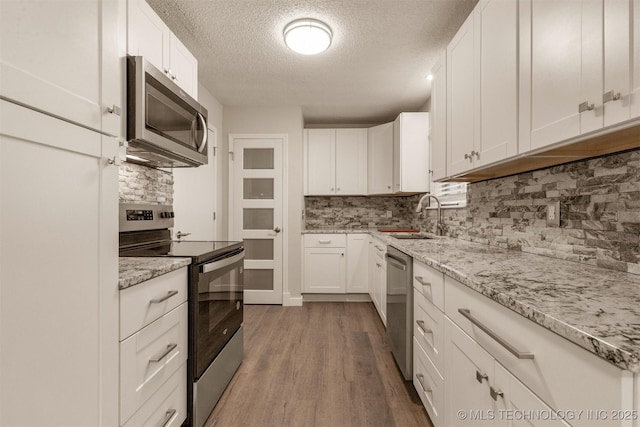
376 67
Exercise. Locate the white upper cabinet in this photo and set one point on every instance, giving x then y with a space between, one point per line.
577 69
335 161
380 166
63 59
438 116
482 99
461 99
150 37
411 153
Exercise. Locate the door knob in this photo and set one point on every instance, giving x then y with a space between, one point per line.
277 229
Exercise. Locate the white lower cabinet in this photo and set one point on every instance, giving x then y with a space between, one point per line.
153 359
378 277
467 377
336 263
541 372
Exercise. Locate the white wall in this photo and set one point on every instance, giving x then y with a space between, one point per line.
197 192
282 120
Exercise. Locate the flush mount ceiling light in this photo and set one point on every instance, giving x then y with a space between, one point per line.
307 36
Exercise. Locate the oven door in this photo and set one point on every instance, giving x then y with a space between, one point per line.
217 313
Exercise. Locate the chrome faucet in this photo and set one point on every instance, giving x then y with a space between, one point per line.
420 207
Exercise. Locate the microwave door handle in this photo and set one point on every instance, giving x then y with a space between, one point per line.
203 143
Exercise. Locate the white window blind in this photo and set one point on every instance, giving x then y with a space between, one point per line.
450 194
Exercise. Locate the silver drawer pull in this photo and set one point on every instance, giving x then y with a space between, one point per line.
324 241
379 248
420 378
519 354
610 96
164 354
167 417
480 376
423 328
164 298
495 393
424 284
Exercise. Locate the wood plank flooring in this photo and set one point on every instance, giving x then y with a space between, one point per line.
322 364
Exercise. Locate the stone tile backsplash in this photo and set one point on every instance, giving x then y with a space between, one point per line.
355 212
599 212
140 184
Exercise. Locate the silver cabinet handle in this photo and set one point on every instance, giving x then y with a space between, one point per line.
424 329
388 187
277 229
495 393
167 417
164 354
481 376
420 378
466 156
420 280
378 264
163 298
324 241
610 96
379 248
585 106
476 153
519 354
114 109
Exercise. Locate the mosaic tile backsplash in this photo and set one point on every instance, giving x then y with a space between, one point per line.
140 184
599 212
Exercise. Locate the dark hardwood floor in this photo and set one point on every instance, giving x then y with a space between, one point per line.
323 364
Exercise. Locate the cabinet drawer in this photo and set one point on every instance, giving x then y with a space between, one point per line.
429 282
429 385
561 373
325 240
142 304
380 249
428 329
167 407
149 357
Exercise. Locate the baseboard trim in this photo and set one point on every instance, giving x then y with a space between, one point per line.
289 301
336 298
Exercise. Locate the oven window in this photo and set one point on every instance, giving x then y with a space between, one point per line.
219 311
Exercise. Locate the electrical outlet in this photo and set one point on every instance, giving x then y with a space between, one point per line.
389 214
553 214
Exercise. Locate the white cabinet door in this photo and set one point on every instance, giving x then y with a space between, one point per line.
60 57
513 400
438 116
149 36
617 60
357 263
496 30
468 374
184 66
462 98
324 270
411 153
380 154
59 304
351 161
320 161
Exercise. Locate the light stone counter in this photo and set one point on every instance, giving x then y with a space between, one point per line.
135 270
595 308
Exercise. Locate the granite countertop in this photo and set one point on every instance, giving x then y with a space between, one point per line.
135 270
595 308
336 230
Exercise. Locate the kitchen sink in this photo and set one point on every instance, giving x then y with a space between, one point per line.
415 236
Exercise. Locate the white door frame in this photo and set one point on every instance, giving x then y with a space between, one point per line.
285 196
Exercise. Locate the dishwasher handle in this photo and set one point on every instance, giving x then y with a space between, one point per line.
396 262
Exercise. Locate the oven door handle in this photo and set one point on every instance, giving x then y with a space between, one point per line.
216 265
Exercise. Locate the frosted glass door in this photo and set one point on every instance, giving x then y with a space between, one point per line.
257 216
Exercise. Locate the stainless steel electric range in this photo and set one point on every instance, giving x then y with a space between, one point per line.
215 300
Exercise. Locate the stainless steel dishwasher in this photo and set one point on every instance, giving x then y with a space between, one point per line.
400 309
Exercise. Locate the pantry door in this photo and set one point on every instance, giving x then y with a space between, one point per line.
256 217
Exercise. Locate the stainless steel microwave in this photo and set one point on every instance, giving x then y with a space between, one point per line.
165 126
